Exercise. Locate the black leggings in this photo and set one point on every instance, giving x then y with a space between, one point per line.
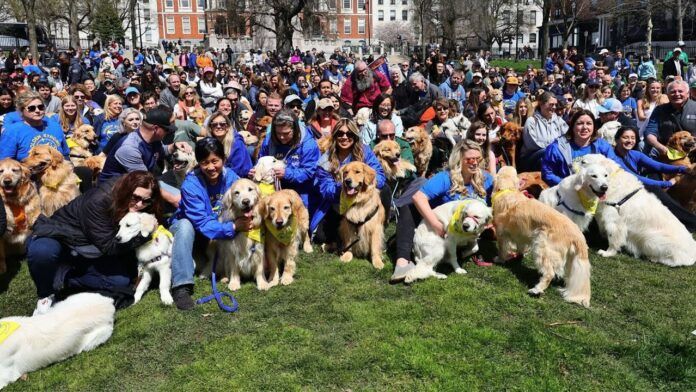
409 218
684 215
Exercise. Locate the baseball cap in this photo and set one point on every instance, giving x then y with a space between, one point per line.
594 82
681 43
291 98
677 49
160 116
208 69
512 80
325 103
603 51
477 75
132 90
610 105
633 75
233 84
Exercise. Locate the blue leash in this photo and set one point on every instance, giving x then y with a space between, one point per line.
219 296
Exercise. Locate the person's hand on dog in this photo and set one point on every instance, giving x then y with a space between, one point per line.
439 229
183 146
252 171
243 223
279 172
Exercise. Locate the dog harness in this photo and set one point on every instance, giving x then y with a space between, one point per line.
284 235
358 224
569 208
7 328
161 230
455 229
626 198
20 217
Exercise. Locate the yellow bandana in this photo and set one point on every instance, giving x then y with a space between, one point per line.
266 189
57 184
284 235
500 193
345 203
161 230
453 227
255 235
590 205
71 143
674 155
7 328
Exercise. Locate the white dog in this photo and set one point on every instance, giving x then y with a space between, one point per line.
153 256
182 164
464 221
264 173
79 323
608 131
242 255
578 195
633 218
455 128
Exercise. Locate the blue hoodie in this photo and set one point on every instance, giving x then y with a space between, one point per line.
196 206
458 94
238 158
19 138
636 162
300 162
329 189
559 156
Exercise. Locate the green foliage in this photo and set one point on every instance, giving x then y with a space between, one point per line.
343 327
107 24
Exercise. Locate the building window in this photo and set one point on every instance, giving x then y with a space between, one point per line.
392 2
148 36
380 15
404 14
404 2
361 26
170 25
169 4
185 4
520 38
346 4
146 14
361 5
532 17
392 14
333 26
201 5
346 26
201 25
532 38
186 25
380 2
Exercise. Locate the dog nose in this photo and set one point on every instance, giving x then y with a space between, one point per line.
279 222
246 202
118 238
604 187
6 181
466 225
398 155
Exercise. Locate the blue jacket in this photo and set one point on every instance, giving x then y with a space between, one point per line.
636 162
105 129
558 162
459 93
238 159
329 190
19 138
300 162
12 118
195 205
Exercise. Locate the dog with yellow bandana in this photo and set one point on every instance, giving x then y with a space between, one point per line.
465 220
286 226
264 174
58 184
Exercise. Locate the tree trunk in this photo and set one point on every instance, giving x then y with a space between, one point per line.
133 21
680 20
546 13
73 25
648 34
284 32
29 7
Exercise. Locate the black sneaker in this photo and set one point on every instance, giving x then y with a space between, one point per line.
182 297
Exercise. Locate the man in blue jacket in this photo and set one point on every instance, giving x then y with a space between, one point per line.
453 88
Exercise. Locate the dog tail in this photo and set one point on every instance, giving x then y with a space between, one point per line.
577 276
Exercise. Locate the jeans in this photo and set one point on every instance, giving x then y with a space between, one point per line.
168 188
53 266
183 266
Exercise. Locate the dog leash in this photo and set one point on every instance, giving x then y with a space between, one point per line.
217 295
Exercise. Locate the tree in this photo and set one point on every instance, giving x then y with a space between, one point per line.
78 14
393 33
570 12
545 19
29 7
491 20
425 12
107 24
640 11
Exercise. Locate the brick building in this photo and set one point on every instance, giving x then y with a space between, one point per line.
353 21
181 20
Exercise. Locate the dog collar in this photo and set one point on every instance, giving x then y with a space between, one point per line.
589 204
7 328
565 205
71 143
156 259
497 195
267 189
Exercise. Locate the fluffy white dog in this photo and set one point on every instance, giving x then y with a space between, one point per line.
578 195
79 323
263 173
464 220
153 256
608 131
635 219
455 128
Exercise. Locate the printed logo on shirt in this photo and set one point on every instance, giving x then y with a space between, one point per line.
45 139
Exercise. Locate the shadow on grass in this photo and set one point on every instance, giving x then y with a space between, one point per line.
13 267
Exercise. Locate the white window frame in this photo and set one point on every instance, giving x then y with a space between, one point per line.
333 26
169 4
201 24
361 8
183 7
350 4
380 15
532 41
404 13
392 15
200 5
185 27
347 26
361 25
169 22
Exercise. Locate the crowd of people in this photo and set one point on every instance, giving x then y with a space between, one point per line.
317 112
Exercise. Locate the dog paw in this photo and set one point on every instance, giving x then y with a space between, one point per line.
378 264
234 286
286 280
263 286
535 292
167 299
307 247
460 271
441 276
346 257
224 280
606 253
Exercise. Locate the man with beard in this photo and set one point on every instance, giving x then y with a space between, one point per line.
363 87
170 95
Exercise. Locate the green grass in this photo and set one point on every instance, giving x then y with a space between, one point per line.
343 327
519 66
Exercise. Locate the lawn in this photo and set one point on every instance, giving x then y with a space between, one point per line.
343 327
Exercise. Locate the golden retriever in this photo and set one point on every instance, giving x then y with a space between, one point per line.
361 230
422 148
496 97
83 139
22 206
531 183
95 163
556 243
262 127
388 153
680 144
58 185
286 223
510 141
684 191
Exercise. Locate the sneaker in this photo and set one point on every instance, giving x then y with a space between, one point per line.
478 260
182 297
400 272
43 305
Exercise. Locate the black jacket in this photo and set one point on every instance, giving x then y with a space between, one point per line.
669 68
86 225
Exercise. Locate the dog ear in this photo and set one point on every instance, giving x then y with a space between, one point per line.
262 206
26 173
579 180
257 174
56 157
370 176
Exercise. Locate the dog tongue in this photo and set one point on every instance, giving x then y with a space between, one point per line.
351 191
248 214
603 197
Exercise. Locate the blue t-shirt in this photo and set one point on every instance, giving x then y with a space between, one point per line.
577 152
510 101
630 107
19 138
108 129
437 189
215 193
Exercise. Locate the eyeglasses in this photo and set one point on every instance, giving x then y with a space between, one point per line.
218 124
340 134
471 161
79 97
135 199
442 109
295 106
385 136
189 93
35 108
303 86
329 109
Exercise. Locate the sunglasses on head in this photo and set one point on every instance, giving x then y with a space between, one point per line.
34 108
135 199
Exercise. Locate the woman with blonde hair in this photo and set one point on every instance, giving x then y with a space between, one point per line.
523 110
188 102
464 179
129 121
652 98
591 98
345 147
69 116
221 128
107 124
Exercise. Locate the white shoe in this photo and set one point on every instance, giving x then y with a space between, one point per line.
43 305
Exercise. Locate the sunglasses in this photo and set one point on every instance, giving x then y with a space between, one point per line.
135 199
34 108
189 93
79 97
471 161
390 136
329 109
303 86
218 124
339 134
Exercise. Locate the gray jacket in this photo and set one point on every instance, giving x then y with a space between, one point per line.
540 132
168 98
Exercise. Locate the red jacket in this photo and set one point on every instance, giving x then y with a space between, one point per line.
356 100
